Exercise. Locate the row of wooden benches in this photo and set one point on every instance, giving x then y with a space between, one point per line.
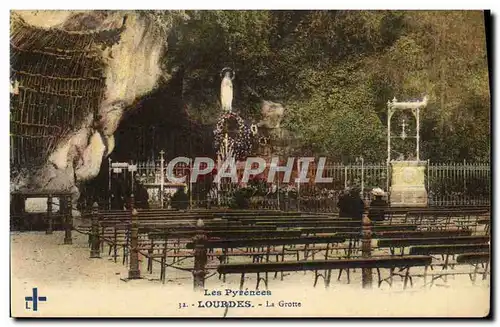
404 263
463 243
118 232
273 222
184 227
240 230
389 212
470 219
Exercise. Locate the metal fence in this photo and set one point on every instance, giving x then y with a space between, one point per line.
447 184
464 183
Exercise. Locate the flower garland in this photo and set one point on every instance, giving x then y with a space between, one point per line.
241 143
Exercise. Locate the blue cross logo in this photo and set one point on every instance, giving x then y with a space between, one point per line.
35 298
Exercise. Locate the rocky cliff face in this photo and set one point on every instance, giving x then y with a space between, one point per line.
131 68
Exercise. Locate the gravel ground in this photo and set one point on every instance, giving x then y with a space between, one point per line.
76 285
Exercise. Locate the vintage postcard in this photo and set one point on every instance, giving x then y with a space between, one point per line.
264 163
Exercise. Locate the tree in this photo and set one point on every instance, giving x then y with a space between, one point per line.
336 70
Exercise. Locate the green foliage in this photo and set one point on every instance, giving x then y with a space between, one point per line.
180 200
258 186
335 71
241 198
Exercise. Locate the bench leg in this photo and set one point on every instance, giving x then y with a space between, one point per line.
163 270
452 266
102 239
348 272
150 261
282 260
328 278
474 274
485 273
277 260
340 274
379 277
425 275
388 280
242 280
407 276
445 267
125 255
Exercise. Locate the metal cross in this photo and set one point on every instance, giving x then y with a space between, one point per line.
403 133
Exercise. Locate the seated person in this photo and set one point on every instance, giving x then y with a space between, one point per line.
377 205
343 204
356 205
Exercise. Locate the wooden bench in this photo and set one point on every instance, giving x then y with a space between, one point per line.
116 232
446 216
419 234
475 259
486 222
260 242
274 238
449 239
447 251
403 262
391 213
165 234
278 215
251 237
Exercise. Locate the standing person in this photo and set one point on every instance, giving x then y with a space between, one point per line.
377 205
141 196
117 194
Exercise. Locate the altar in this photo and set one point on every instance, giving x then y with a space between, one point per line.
408 184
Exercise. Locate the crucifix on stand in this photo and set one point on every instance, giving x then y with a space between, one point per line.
403 132
406 184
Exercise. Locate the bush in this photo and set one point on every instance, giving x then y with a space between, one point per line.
241 198
180 200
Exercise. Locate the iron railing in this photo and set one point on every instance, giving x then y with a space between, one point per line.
448 184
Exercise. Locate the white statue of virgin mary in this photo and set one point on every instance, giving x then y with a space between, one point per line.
226 89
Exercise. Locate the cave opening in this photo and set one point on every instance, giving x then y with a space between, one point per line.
158 121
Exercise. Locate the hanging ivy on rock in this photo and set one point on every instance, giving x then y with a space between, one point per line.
239 134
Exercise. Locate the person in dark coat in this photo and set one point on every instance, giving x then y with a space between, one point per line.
343 204
141 196
117 194
377 205
356 205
